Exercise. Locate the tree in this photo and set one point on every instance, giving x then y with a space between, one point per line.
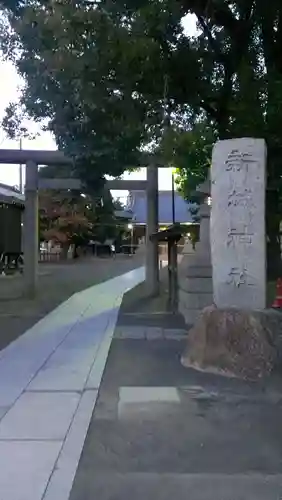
69 218
72 217
89 66
64 218
189 152
253 106
125 42
57 48
239 88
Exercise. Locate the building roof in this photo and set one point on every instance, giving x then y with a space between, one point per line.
137 205
10 195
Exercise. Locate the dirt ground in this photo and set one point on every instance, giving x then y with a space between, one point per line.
56 283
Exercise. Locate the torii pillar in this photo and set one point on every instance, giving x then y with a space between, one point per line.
30 238
33 158
152 252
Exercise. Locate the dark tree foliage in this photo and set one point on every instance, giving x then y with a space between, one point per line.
104 76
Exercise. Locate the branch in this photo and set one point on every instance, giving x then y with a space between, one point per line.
212 41
210 110
239 30
221 14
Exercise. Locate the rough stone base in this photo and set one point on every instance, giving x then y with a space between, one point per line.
236 343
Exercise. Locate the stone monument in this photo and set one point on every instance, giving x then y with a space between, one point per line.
238 238
195 272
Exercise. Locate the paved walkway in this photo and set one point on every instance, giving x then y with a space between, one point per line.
57 282
49 379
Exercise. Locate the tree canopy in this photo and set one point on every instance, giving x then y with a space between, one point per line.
103 74
63 217
67 52
110 78
73 217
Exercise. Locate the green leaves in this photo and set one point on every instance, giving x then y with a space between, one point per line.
74 79
103 75
190 154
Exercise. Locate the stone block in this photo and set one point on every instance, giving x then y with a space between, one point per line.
25 468
197 300
130 332
39 416
174 334
154 333
188 248
134 332
238 238
198 272
196 285
132 395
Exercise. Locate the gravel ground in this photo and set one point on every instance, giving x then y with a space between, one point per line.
57 282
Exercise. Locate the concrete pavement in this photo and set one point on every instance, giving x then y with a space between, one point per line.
157 430
160 431
49 379
57 282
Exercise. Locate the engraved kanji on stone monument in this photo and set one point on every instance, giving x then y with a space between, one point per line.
239 234
239 276
241 198
238 243
238 160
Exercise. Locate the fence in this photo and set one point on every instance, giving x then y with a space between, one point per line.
49 256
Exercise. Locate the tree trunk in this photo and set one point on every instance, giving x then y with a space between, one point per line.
274 267
75 252
64 252
274 264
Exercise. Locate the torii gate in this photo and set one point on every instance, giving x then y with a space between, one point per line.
32 159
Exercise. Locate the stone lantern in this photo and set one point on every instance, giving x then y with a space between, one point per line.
195 270
203 193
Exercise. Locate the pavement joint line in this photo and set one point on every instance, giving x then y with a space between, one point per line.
9 408
6 352
78 450
60 451
108 336
30 440
89 371
55 391
38 370
96 355
56 311
58 345
5 412
86 395
106 341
